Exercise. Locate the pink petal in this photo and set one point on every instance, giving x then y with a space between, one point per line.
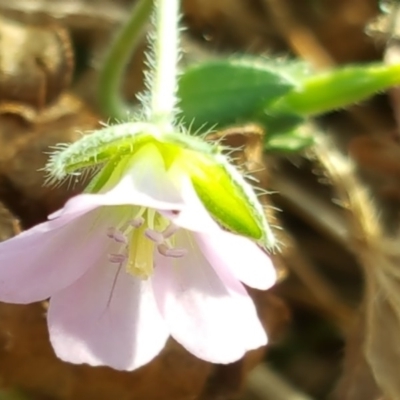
240 256
146 183
107 318
37 263
193 216
203 314
224 251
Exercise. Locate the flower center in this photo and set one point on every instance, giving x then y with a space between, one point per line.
137 239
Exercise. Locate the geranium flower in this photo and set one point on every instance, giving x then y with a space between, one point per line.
135 263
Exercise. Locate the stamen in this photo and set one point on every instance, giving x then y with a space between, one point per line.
110 232
119 237
174 252
154 236
137 222
170 230
150 231
116 258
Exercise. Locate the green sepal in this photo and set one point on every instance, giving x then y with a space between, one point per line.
228 197
222 189
337 88
99 181
97 148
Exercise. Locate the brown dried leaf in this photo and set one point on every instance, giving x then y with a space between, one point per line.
9 225
246 143
335 28
27 361
328 34
379 154
379 255
24 151
76 14
379 158
357 381
383 316
36 65
232 22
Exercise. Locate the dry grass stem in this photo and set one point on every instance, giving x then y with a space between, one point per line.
379 255
323 217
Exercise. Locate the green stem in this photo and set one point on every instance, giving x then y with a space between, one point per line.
112 71
163 78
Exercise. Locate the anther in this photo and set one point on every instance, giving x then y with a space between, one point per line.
170 230
137 222
167 252
116 258
110 232
156 237
117 235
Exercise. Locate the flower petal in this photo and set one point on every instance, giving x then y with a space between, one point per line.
224 250
203 314
107 318
239 255
144 183
193 216
40 261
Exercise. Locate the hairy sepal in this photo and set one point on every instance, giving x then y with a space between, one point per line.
220 186
98 148
228 197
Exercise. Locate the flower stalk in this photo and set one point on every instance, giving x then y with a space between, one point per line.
162 80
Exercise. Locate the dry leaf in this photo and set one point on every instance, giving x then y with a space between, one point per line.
379 255
36 65
357 381
24 151
76 14
379 158
383 315
9 225
27 361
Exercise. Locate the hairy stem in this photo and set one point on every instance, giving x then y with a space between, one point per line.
163 77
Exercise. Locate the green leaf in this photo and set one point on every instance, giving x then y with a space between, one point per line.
338 88
293 69
284 133
220 93
278 123
289 142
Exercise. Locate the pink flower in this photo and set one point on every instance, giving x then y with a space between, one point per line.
128 267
